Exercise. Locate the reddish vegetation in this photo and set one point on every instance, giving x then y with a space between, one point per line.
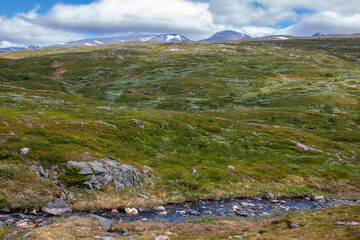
288 78
58 73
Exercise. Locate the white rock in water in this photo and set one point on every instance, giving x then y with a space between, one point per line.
131 211
160 208
24 151
319 198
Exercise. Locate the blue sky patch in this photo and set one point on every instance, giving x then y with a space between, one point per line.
13 7
302 11
258 5
284 24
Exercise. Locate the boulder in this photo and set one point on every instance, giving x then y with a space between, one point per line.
24 151
104 222
293 225
25 224
138 123
57 208
319 198
131 211
103 174
160 208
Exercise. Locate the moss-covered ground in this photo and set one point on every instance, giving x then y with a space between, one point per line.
231 110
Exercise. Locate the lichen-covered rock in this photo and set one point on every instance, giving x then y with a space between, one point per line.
104 222
57 208
138 123
103 174
85 169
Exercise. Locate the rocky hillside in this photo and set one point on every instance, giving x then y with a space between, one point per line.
105 127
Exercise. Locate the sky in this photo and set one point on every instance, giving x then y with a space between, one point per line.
45 22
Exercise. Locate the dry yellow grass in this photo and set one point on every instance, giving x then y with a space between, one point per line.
69 229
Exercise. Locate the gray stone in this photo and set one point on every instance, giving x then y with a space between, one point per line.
104 179
19 196
85 169
87 184
319 198
147 169
95 183
242 214
269 195
58 208
24 236
193 212
160 208
105 223
44 223
138 123
105 238
5 210
42 172
98 168
162 237
24 151
293 225
14 233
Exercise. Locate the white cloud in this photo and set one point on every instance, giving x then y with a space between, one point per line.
6 44
116 16
196 19
18 30
328 22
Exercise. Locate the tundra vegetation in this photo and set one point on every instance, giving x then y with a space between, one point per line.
223 119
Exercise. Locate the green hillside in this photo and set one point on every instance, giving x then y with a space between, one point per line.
221 120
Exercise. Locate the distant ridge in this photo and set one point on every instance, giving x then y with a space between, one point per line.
227 35
318 34
116 40
13 49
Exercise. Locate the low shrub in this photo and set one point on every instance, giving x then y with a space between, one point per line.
72 177
8 171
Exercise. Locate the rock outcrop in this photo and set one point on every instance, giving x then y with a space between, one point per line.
108 172
57 208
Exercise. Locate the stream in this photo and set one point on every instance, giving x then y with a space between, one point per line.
190 211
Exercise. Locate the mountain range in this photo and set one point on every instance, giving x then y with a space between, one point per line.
122 39
227 35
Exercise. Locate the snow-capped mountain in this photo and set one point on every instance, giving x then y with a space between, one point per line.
227 35
116 40
13 49
318 34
